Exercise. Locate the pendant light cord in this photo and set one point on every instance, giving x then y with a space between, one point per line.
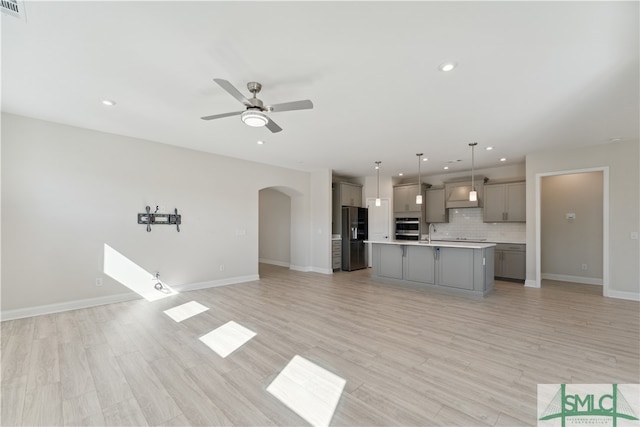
378 169
419 158
473 145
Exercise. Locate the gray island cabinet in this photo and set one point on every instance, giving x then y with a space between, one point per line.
461 268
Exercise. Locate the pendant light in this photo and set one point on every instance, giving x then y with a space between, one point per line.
419 196
378 203
473 194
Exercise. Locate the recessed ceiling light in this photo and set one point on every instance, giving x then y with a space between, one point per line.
489 148
425 159
447 66
260 142
400 174
504 159
108 102
446 168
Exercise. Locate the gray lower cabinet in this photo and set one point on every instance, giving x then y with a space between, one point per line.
336 254
420 264
455 267
388 260
463 270
510 261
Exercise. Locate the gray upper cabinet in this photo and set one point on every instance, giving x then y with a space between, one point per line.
435 210
343 194
404 198
505 202
350 194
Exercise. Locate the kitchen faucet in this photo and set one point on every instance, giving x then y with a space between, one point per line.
434 230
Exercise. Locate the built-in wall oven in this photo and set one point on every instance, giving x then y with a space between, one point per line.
407 228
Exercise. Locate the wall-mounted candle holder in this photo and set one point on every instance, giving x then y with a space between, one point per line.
159 218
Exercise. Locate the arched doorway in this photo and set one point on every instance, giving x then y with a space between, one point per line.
274 226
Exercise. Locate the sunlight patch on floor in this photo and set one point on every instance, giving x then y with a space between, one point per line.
309 390
227 338
185 311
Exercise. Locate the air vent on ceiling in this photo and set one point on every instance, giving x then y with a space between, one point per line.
13 8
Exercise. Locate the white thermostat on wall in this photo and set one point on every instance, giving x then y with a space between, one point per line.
571 216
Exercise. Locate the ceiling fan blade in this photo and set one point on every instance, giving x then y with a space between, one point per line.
290 106
272 126
219 116
233 91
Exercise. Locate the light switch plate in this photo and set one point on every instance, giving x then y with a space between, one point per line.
633 235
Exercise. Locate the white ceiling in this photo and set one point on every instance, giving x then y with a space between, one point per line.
531 76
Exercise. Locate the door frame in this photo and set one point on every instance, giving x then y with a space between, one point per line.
605 222
370 203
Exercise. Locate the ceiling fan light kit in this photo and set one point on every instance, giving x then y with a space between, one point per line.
254 114
254 118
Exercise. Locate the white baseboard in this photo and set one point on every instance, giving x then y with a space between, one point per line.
111 299
300 268
573 279
274 262
531 283
322 270
633 296
21 313
215 283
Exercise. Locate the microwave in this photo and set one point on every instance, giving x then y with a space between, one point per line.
407 228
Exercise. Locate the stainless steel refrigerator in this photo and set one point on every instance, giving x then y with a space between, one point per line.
355 229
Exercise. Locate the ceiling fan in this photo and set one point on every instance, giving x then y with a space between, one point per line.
254 115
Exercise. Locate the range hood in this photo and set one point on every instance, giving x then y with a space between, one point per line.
458 193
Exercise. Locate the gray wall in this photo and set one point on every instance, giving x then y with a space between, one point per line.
67 191
623 160
566 244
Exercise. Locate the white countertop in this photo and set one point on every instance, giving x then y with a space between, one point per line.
434 243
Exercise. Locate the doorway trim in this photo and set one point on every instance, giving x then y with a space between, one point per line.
605 222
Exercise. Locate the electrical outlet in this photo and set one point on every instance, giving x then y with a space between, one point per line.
584 266
98 281
221 267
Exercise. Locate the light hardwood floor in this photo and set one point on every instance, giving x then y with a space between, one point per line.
410 357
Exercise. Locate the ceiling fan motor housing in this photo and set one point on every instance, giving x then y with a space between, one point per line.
254 87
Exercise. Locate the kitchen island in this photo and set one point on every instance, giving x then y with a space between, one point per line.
464 268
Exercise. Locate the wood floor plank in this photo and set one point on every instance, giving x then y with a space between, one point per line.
67 327
16 356
44 363
43 406
254 390
75 374
44 326
109 381
410 356
197 408
82 410
124 413
230 400
12 397
154 400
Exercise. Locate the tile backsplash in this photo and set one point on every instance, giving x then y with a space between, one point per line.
468 223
